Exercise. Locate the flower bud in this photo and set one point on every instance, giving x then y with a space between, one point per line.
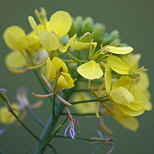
87 25
98 30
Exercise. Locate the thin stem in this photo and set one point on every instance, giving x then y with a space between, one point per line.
25 126
51 124
91 100
53 106
53 148
54 134
84 90
86 101
34 117
80 114
68 61
75 59
7 102
87 139
68 137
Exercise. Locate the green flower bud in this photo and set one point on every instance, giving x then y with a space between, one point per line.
87 37
76 26
87 25
114 35
98 30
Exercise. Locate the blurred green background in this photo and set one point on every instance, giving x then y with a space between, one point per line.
135 21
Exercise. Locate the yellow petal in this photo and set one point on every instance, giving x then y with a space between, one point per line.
33 24
136 105
70 81
6 117
69 43
49 40
126 121
82 45
143 82
65 81
121 96
61 82
15 60
50 70
90 70
132 60
130 123
118 65
61 23
59 64
108 78
148 105
30 42
126 110
84 107
124 81
12 35
119 50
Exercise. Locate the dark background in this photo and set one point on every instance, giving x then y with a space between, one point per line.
135 21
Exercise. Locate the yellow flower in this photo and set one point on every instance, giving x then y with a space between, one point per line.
90 70
57 27
129 100
6 117
57 69
52 66
16 39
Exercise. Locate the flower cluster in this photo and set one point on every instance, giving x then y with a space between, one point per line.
77 56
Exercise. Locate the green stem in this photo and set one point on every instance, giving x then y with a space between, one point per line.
76 59
34 117
79 114
86 101
87 139
84 90
105 98
54 134
7 102
53 106
24 125
51 124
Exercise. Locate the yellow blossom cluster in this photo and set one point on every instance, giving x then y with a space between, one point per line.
76 53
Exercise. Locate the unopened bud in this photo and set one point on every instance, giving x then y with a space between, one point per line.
98 31
76 26
87 25
87 37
